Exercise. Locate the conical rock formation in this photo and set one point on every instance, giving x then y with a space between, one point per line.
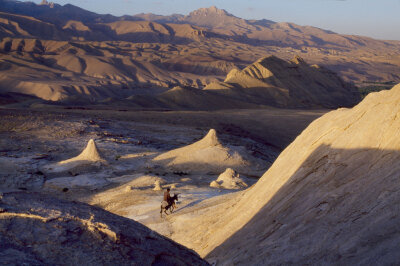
157 186
90 153
90 156
331 197
229 179
207 155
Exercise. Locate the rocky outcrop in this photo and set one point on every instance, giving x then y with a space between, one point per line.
207 155
47 3
90 153
216 18
229 179
273 81
36 229
157 186
89 158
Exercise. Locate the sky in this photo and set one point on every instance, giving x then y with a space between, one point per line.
379 19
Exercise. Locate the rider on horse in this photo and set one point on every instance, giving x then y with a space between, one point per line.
168 202
167 196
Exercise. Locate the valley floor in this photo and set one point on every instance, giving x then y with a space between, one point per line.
30 139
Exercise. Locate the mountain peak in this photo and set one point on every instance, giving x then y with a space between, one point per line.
213 17
213 10
46 3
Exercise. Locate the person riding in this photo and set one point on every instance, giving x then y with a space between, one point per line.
167 196
168 203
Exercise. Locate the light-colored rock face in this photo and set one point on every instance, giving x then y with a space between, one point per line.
214 184
207 155
215 18
37 229
157 186
209 140
90 153
330 197
229 179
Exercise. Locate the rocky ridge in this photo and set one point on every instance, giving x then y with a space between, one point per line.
273 81
38 229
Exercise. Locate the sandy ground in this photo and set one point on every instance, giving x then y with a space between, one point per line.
33 139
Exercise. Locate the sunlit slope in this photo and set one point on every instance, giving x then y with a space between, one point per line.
330 197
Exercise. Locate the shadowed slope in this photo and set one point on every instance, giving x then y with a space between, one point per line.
195 99
339 176
339 207
39 229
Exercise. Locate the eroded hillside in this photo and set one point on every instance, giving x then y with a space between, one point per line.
38 229
52 55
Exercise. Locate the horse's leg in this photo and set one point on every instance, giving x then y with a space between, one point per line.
161 212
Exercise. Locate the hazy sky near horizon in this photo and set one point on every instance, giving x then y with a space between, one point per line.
375 18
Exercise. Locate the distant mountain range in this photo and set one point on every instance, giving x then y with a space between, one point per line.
53 51
213 22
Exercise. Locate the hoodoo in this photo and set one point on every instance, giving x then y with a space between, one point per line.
90 156
229 179
90 153
207 155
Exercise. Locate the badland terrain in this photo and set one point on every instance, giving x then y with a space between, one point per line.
260 127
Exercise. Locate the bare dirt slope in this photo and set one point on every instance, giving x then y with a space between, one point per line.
84 74
294 83
330 197
55 52
38 229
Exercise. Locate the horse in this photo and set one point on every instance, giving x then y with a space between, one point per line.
169 205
